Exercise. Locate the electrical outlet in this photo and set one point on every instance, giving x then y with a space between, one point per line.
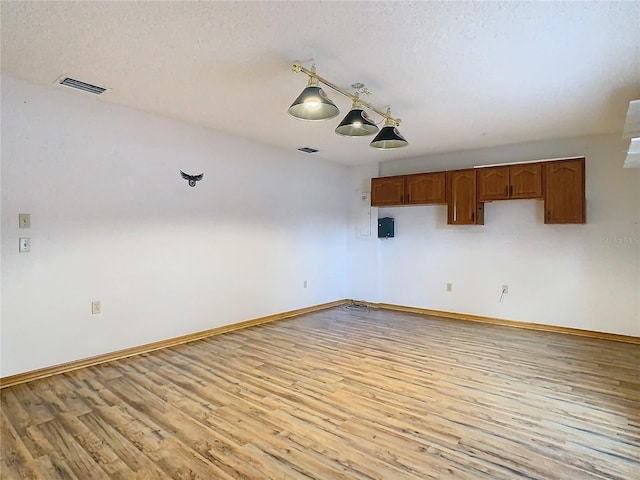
24 220
449 287
96 308
304 284
24 245
505 289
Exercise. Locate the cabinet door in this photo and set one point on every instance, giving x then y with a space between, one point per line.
387 191
525 180
564 191
493 183
462 205
425 188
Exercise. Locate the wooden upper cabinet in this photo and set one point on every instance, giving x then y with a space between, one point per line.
463 207
419 189
512 181
493 183
425 188
560 182
387 191
526 180
564 191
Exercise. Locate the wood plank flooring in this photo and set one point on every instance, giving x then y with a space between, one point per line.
340 393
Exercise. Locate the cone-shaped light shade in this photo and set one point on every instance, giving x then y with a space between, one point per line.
389 137
357 123
313 104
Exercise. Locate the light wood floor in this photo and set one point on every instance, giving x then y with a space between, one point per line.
339 394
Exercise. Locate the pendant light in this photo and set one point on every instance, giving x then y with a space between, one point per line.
356 123
389 137
313 104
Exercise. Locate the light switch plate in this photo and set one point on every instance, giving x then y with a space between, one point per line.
96 307
24 220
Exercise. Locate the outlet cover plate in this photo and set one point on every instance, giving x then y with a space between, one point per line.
24 245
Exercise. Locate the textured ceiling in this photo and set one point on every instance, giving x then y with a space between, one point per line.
460 75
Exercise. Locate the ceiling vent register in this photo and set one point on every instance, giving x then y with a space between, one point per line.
85 87
308 149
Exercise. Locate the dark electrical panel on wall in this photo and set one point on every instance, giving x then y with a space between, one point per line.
385 227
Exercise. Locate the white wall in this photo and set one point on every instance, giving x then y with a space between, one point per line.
579 276
362 262
113 221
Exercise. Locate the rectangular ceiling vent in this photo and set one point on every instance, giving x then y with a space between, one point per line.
308 149
85 87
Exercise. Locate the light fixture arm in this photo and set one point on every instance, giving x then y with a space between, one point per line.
297 68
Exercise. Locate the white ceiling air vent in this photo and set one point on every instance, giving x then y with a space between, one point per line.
632 131
77 84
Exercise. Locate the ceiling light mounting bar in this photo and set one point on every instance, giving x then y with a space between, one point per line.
297 68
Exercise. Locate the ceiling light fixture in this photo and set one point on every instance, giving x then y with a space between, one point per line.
632 159
357 122
313 104
389 136
632 131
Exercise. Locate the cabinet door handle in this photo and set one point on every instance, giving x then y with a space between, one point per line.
506 191
473 217
511 190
